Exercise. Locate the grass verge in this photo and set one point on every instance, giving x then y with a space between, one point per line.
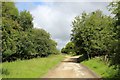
99 67
33 68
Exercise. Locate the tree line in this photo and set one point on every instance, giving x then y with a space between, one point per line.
19 39
97 34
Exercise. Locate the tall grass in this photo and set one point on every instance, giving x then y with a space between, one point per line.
102 69
33 68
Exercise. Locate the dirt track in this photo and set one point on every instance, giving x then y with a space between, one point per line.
69 68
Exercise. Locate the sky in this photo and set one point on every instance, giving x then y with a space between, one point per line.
56 17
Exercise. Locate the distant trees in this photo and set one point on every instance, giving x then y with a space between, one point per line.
19 39
69 48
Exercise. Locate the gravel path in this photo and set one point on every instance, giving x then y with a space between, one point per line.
68 68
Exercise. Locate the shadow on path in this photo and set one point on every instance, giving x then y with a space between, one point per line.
75 59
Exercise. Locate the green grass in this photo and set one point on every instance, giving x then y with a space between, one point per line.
99 67
34 68
0 70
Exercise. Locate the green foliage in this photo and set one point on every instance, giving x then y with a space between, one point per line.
115 9
19 39
44 45
69 48
91 33
9 10
9 31
25 20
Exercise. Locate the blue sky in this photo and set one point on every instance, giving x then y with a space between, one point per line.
56 17
27 5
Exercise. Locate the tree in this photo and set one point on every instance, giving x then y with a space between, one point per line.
25 20
114 7
63 50
10 29
69 48
19 39
44 45
91 33
9 10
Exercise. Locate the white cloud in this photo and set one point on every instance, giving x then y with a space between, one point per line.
57 17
